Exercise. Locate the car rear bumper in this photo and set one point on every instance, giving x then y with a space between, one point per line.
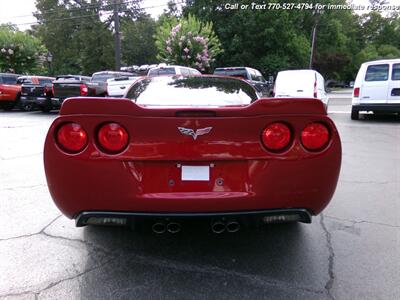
384 107
156 187
56 102
36 100
257 216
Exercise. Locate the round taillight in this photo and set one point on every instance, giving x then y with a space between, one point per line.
276 136
112 138
315 136
71 137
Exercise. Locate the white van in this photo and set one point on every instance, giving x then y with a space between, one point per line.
377 87
300 84
172 70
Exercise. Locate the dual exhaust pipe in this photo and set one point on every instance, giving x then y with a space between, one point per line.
217 226
162 227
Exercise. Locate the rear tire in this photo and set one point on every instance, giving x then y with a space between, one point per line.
27 107
355 114
19 104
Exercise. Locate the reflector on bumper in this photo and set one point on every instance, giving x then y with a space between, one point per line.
106 221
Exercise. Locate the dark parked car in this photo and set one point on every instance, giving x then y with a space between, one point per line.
76 85
252 76
335 84
98 84
36 91
68 86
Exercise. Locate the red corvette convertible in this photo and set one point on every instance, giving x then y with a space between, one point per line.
178 148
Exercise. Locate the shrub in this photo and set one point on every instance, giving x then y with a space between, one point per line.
19 52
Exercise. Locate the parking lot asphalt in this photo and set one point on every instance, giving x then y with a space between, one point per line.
351 251
340 101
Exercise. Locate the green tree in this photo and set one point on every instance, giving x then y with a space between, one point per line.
187 42
172 10
127 9
377 29
269 40
19 52
371 52
388 51
381 37
339 39
77 34
373 25
58 29
273 40
138 42
94 42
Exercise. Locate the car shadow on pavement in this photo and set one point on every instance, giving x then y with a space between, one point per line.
197 263
380 118
33 112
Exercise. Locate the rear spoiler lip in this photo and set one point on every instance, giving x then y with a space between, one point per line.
126 107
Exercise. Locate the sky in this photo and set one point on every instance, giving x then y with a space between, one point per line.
20 11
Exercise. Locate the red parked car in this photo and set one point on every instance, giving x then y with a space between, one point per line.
10 90
180 148
11 86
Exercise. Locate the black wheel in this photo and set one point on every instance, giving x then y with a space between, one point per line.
20 105
354 114
26 106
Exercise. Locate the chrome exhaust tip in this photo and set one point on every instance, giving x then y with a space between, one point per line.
233 226
159 228
218 227
173 227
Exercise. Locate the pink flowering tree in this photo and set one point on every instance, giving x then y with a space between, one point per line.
187 42
19 51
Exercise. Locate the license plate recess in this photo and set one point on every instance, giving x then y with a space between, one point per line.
195 173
